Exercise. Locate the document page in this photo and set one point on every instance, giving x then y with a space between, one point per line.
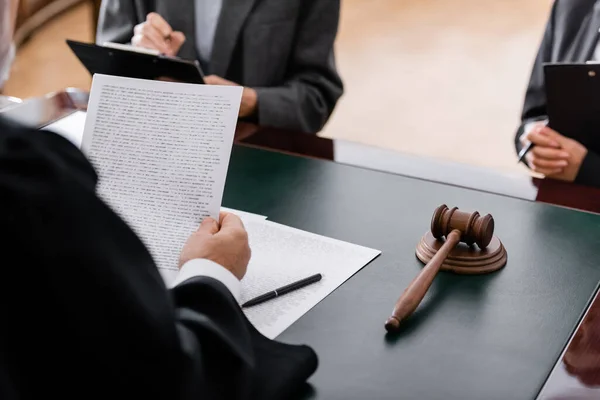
283 255
161 150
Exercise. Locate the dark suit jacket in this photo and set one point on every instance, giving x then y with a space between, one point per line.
283 49
571 35
84 312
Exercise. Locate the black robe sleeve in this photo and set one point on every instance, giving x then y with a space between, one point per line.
84 312
589 172
534 104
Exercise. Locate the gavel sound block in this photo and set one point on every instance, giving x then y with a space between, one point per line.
450 246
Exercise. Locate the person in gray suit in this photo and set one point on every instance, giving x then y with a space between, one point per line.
281 51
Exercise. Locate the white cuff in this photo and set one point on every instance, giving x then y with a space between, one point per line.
529 126
204 267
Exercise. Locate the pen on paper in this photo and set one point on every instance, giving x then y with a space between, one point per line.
283 290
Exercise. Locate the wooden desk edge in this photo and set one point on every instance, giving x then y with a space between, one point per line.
562 194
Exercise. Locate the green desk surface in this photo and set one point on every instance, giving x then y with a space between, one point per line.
474 337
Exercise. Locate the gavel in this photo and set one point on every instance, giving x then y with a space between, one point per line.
456 226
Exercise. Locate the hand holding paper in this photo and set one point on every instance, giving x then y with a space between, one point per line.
224 242
162 152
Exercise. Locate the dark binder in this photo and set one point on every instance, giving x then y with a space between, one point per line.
131 64
573 101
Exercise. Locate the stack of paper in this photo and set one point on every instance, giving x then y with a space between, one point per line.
283 255
162 151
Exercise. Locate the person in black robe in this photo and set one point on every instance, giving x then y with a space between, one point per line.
84 312
570 36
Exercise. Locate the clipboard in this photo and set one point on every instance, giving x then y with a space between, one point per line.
115 60
573 101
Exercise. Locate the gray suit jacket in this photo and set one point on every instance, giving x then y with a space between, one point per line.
281 48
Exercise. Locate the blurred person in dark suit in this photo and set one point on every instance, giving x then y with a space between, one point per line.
85 313
571 35
282 52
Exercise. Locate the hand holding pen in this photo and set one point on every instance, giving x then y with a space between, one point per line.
526 143
156 33
543 151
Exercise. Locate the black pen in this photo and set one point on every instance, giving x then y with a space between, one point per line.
524 151
283 290
530 145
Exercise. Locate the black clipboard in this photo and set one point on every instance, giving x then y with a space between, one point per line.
131 64
573 101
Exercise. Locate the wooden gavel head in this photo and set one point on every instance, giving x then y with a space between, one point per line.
473 227
456 226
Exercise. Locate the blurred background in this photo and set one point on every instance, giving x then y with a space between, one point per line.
438 78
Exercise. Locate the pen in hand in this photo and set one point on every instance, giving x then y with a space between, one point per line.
526 149
283 290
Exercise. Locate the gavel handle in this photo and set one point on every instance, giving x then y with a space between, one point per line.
414 293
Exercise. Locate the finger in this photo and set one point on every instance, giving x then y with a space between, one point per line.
209 226
231 222
155 37
550 153
145 42
529 159
222 215
137 30
539 139
176 41
212 80
545 163
167 79
547 171
136 40
551 133
217 80
534 128
160 24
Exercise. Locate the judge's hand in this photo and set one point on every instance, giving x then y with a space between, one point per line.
155 33
554 155
224 242
249 97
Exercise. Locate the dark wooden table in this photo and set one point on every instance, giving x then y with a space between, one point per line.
471 177
577 372
497 336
